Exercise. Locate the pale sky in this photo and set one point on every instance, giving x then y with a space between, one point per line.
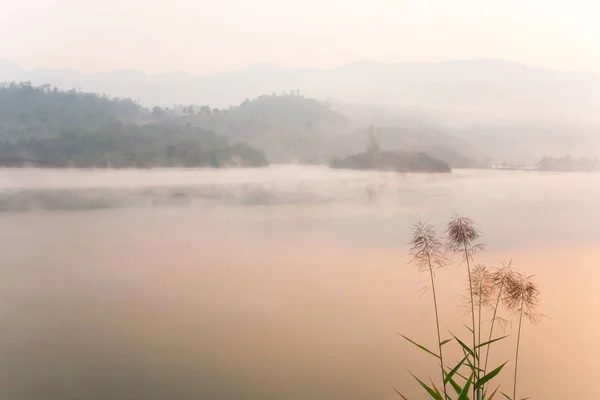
220 35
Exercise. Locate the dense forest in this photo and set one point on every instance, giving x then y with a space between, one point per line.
44 126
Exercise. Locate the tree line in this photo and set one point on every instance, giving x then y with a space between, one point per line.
44 126
568 163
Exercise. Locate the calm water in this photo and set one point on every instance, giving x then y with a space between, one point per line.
282 283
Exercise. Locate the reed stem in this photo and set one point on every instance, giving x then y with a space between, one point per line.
517 355
487 352
475 372
479 333
437 324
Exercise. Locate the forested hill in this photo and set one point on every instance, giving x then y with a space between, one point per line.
288 127
292 128
27 111
48 127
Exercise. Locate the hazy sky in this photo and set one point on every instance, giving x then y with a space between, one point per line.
201 36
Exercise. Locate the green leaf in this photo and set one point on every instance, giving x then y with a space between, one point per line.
445 341
505 395
464 394
455 385
420 346
491 341
473 367
435 387
493 394
453 371
464 346
482 381
429 390
470 330
400 394
462 376
457 373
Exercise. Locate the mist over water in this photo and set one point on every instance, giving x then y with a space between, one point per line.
280 283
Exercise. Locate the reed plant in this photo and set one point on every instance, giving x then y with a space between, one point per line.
488 290
427 251
522 299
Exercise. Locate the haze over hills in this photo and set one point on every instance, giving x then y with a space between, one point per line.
287 127
489 88
483 109
48 127
43 126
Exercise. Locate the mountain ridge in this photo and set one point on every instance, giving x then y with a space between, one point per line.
490 88
274 66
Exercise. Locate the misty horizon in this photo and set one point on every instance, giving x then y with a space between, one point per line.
265 65
205 38
484 87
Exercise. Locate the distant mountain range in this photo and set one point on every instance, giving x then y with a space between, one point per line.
456 111
473 90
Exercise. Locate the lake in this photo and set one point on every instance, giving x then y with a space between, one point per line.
289 282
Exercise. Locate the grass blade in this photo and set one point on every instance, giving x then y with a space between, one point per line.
464 394
400 394
435 395
453 371
435 387
455 385
491 341
459 374
482 381
493 393
505 395
470 364
445 341
425 349
464 346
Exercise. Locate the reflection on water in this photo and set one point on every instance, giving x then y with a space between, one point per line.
283 283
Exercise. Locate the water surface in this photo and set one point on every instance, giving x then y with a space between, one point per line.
280 283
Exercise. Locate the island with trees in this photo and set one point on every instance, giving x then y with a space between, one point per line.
374 158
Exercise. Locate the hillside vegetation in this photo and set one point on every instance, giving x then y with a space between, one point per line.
506 111
27 111
47 127
292 128
287 127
